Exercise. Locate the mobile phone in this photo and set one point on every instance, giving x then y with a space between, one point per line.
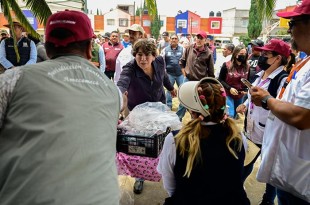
246 83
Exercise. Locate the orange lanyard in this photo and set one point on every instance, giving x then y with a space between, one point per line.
292 74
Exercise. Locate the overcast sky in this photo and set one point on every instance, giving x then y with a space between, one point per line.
171 7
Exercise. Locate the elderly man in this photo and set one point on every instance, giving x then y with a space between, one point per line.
58 123
26 48
172 55
285 148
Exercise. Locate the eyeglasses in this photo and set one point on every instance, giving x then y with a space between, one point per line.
292 23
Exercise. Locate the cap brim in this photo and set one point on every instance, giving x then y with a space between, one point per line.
288 15
263 49
188 96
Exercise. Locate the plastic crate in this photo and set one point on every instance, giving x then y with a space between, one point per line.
140 145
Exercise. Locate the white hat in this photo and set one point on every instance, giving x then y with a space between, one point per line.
189 97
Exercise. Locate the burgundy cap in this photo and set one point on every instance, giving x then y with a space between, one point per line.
75 21
277 46
302 8
203 34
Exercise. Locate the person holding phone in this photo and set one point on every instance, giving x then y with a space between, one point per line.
230 76
272 77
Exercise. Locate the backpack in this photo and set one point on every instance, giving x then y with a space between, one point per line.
275 83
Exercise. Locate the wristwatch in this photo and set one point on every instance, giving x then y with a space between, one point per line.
264 102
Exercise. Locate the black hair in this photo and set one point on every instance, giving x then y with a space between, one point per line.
283 58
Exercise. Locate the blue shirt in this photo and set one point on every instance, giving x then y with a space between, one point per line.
7 64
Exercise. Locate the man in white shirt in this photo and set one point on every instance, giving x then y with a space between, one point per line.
286 154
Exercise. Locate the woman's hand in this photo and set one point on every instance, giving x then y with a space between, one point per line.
173 93
233 91
241 109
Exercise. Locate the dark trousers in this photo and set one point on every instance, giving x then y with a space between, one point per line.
285 198
270 191
109 74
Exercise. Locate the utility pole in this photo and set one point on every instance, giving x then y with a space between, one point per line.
134 12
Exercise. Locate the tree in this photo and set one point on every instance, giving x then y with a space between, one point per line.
265 8
255 23
151 7
155 24
39 8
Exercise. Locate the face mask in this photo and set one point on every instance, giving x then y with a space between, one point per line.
262 63
241 59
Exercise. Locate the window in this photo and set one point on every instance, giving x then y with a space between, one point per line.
161 23
111 22
244 23
182 23
123 22
146 23
215 24
194 24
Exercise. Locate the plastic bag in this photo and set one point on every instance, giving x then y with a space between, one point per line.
150 118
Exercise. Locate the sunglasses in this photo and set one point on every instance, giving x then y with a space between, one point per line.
292 23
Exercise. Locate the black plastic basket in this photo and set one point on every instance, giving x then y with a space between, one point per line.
140 145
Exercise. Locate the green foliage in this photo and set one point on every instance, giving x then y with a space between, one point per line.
245 39
39 8
255 23
138 11
265 8
155 27
282 32
155 24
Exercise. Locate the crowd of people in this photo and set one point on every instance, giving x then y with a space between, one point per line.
60 105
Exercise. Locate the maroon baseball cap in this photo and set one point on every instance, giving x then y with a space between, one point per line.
302 8
277 46
75 21
203 34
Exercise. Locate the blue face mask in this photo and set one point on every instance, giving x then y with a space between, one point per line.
262 63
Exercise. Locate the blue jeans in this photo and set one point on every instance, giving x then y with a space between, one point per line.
233 104
285 198
173 79
182 110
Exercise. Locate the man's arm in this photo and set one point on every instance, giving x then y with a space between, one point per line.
4 62
101 59
33 54
289 113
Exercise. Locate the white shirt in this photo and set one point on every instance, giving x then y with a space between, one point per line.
124 57
278 133
218 70
166 164
258 115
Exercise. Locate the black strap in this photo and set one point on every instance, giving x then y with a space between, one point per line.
275 83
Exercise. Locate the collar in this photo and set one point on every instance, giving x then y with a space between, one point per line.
271 75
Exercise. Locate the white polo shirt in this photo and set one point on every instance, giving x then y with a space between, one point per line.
278 133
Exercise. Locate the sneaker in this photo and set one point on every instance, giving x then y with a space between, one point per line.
138 187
